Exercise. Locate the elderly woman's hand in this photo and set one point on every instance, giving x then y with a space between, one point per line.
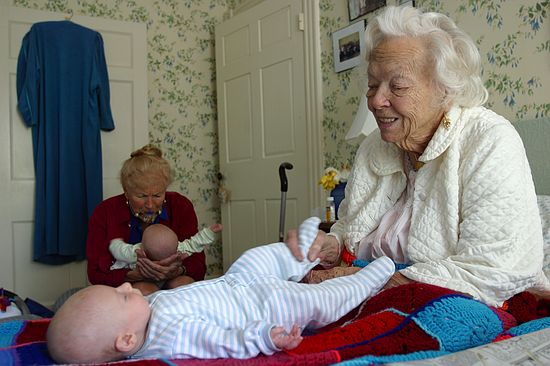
397 280
324 246
162 270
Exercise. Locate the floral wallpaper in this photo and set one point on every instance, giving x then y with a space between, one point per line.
514 41
513 37
181 87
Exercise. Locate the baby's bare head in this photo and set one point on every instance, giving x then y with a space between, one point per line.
159 242
82 329
99 324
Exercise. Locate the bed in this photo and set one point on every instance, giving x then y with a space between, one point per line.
424 323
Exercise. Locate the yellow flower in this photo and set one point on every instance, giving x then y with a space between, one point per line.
333 177
329 180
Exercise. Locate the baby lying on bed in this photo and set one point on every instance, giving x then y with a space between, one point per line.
256 307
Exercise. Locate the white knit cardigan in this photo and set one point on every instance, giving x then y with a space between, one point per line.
475 225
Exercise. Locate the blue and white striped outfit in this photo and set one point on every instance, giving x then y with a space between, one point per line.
232 316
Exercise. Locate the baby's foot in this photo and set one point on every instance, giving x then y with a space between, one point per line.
307 232
380 269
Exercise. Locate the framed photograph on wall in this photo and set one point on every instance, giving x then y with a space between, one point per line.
359 8
405 3
348 45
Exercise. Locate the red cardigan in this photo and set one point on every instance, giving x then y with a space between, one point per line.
111 219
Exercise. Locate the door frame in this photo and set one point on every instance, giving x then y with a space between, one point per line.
305 27
314 92
314 97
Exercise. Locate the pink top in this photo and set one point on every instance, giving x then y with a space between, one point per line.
391 237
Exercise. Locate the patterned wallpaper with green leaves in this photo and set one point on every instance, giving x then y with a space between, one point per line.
181 88
513 37
514 40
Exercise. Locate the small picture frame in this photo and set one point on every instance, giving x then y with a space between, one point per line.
348 45
358 8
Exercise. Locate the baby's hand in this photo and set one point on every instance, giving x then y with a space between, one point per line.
216 227
283 340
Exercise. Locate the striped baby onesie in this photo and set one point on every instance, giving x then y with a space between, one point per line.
231 316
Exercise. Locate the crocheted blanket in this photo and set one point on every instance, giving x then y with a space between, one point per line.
406 323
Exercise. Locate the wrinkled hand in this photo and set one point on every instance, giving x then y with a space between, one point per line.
162 270
140 253
318 276
324 247
283 340
397 280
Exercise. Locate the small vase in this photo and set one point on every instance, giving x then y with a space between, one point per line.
338 194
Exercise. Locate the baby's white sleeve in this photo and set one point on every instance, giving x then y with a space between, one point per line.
197 242
123 251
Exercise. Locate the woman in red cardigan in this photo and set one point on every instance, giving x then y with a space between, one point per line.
145 176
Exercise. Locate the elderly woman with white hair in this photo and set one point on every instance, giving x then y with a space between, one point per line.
443 187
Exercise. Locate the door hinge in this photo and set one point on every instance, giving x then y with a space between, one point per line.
301 21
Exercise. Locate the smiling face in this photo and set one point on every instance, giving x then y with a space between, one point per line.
401 94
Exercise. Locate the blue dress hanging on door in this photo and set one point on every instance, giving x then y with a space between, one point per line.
63 94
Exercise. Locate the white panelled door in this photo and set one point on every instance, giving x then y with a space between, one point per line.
262 117
125 52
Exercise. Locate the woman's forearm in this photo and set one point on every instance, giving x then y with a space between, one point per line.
331 252
134 276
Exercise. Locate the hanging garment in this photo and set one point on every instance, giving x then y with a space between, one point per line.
63 94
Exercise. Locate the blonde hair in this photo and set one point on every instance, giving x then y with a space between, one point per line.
456 59
145 166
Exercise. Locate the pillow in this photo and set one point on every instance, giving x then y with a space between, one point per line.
544 209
